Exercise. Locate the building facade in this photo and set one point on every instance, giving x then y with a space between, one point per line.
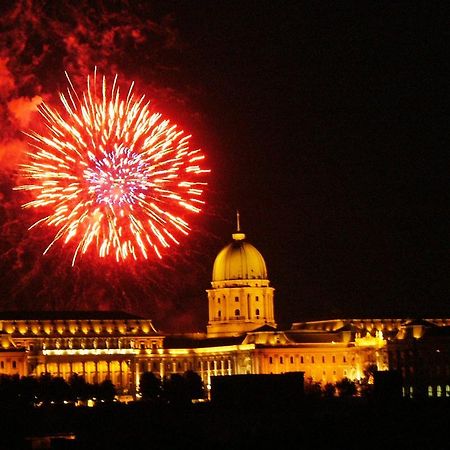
241 338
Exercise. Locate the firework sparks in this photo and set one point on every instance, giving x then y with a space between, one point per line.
112 175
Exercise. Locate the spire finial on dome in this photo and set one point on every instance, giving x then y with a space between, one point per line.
238 236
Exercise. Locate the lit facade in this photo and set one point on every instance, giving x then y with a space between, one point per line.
241 338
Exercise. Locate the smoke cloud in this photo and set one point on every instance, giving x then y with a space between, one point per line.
39 42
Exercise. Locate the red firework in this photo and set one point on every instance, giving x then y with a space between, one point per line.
112 175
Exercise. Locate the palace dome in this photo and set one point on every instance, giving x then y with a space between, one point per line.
239 260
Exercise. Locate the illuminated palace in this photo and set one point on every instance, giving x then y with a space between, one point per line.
241 338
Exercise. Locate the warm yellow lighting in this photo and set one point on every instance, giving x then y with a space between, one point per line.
92 351
225 348
178 351
371 341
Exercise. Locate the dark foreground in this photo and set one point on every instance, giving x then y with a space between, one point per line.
326 423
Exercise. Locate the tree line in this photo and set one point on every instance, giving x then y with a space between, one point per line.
47 389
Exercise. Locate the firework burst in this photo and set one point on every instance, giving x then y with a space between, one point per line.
111 175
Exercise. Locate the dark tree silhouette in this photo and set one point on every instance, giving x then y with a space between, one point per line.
194 385
346 387
150 386
59 390
79 387
175 390
329 390
105 391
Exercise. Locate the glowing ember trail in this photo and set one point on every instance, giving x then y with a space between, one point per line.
112 175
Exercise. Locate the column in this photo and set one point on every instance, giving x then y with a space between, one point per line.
208 371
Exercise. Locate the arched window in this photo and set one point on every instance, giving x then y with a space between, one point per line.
430 391
237 312
257 298
219 313
312 359
438 391
281 360
257 312
14 365
236 299
301 360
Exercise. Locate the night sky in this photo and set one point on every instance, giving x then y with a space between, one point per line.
324 124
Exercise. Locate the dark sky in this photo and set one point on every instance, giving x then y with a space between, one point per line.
324 124
329 121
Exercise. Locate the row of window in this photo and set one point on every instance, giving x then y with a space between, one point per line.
62 328
236 299
13 364
439 391
185 365
237 313
302 359
114 343
431 370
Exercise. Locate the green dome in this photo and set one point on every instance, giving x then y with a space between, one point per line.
239 260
